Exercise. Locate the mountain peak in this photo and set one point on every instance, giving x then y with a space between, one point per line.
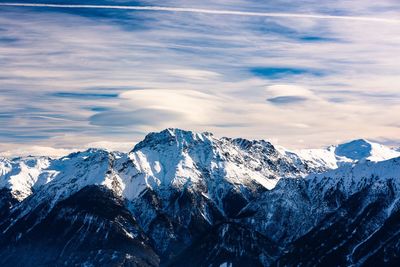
355 150
361 149
172 136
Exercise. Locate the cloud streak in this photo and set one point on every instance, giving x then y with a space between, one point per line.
210 11
76 77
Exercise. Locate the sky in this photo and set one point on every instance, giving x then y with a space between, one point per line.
296 73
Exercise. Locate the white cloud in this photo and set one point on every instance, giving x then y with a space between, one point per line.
212 11
195 106
196 68
193 74
37 151
111 146
278 90
16 150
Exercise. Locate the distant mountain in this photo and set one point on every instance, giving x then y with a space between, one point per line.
350 152
180 196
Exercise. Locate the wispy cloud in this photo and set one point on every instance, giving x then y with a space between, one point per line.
70 77
209 11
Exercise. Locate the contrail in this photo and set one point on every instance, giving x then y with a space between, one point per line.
211 11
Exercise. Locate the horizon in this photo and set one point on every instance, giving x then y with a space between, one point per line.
300 75
52 152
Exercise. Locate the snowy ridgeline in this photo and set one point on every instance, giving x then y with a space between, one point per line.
180 196
178 159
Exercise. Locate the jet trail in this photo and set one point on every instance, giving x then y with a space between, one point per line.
211 11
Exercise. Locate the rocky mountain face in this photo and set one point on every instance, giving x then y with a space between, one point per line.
187 199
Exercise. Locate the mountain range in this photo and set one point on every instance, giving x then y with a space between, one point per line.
180 198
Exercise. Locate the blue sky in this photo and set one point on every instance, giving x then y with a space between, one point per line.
105 77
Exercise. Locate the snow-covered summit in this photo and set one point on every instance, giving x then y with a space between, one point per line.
363 149
355 150
180 185
350 152
20 175
173 136
178 159
172 158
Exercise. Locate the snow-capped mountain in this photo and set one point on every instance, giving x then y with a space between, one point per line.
170 159
180 195
348 153
21 175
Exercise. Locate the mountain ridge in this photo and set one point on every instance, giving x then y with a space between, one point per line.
322 159
175 188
